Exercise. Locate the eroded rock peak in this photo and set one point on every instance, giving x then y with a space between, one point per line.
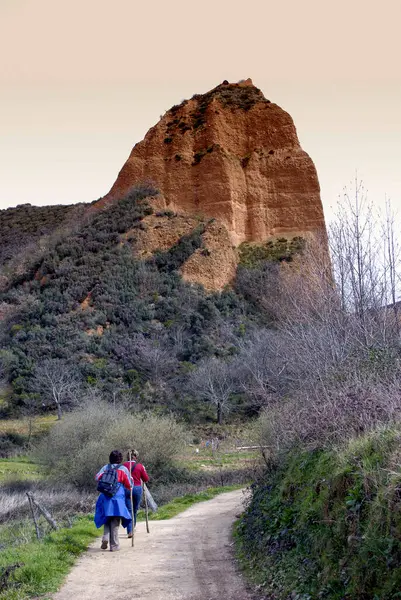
234 155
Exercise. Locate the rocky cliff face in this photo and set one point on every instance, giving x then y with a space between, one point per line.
213 264
232 155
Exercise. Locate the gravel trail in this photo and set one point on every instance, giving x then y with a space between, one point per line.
188 557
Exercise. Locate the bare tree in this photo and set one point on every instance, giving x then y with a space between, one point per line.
213 381
261 368
366 264
327 333
338 336
153 357
57 381
353 245
392 262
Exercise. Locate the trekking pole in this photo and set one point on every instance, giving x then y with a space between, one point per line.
132 503
146 507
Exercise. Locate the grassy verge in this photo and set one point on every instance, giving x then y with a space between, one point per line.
45 564
328 524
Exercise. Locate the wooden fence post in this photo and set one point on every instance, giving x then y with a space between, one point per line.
43 510
33 516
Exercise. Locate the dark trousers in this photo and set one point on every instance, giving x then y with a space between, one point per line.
111 532
136 500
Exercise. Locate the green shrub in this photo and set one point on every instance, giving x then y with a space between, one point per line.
283 249
78 446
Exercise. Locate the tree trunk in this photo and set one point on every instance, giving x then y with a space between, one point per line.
59 412
30 428
219 414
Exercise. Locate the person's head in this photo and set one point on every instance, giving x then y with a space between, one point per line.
115 457
132 454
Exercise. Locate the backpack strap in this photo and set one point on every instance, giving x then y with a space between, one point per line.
111 468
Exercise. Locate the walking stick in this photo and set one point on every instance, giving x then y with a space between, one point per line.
132 503
146 507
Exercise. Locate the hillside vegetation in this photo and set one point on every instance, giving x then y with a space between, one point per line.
88 317
26 231
324 521
327 523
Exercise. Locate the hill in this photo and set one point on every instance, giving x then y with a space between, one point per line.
135 294
94 310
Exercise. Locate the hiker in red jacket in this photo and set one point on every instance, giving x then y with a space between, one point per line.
110 510
139 475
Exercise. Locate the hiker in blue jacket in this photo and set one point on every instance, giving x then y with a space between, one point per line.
110 510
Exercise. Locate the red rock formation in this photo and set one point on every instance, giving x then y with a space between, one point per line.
214 265
233 155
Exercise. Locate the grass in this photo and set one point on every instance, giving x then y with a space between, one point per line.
18 469
17 437
45 564
201 457
21 426
207 460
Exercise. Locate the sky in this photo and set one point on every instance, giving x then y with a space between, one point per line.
81 81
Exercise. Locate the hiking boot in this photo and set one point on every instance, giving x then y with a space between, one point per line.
114 548
130 535
104 545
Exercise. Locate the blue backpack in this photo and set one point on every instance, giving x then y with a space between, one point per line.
108 484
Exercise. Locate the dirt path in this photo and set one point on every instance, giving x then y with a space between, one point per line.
188 557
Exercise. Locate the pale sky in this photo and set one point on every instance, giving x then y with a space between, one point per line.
81 81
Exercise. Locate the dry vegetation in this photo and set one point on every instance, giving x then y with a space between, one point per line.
332 367
330 378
